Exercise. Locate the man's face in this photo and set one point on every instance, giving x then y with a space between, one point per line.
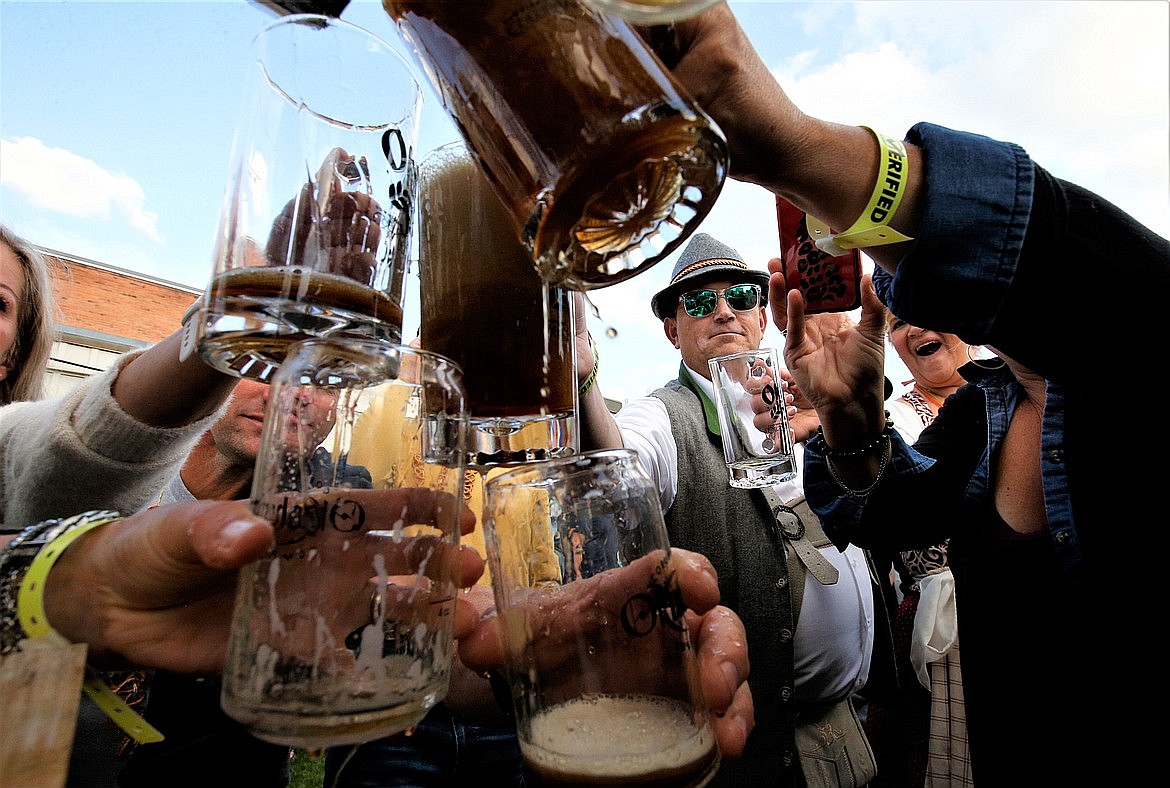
237 434
719 333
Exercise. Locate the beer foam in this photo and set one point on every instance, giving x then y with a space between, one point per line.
618 736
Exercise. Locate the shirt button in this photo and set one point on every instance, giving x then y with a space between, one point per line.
1056 455
1061 537
785 635
782 582
786 693
789 759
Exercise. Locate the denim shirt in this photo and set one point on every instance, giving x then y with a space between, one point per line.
1007 255
865 521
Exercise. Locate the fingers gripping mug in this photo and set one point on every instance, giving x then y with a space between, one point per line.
603 674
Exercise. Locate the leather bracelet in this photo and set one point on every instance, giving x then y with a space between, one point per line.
15 559
30 609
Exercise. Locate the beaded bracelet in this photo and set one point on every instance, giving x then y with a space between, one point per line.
831 453
864 492
872 227
587 384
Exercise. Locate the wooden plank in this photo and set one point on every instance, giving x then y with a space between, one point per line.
40 694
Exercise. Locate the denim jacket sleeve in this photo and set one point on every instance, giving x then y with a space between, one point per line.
943 472
1006 255
842 516
978 193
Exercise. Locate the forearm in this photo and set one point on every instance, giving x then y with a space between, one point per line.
835 176
599 430
827 169
161 391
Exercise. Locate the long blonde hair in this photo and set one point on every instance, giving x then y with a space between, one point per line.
35 325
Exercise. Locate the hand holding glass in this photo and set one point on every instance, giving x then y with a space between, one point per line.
753 417
315 227
603 674
343 633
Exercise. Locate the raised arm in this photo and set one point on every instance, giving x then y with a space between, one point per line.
827 169
160 390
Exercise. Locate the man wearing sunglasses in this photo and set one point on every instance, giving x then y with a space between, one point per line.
809 640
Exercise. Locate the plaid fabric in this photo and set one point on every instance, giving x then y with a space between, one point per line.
948 762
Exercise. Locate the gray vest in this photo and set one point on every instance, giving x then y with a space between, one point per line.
735 529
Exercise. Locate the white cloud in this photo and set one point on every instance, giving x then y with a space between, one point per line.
1082 86
55 179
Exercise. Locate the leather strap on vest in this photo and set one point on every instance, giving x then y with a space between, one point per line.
799 528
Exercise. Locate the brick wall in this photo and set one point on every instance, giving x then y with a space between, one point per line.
109 300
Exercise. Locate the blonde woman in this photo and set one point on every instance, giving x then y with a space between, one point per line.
26 319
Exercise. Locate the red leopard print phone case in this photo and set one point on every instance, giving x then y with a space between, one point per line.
829 284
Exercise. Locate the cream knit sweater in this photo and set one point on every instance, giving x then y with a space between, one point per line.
62 456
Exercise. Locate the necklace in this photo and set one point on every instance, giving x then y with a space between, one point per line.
935 402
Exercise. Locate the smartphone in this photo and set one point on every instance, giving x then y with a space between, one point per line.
828 284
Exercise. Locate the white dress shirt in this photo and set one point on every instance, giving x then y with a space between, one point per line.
835 631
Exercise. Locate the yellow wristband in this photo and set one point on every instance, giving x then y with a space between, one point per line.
30 607
872 227
591 378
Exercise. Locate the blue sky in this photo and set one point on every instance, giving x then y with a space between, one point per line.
116 120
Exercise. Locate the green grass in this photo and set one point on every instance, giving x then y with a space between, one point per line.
308 771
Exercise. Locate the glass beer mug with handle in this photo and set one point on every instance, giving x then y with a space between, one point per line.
343 633
604 162
601 666
315 228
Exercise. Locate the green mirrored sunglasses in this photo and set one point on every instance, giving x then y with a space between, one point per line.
700 303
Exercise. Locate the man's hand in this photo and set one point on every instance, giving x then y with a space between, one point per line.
836 364
717 631
157 589
333 225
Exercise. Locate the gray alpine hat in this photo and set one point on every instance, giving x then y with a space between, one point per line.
702 260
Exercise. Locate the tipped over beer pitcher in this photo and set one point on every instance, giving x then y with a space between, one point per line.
605 164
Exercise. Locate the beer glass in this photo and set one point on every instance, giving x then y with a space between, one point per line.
315 227
602 672
343 632
652 12
753 417
604 163
484 306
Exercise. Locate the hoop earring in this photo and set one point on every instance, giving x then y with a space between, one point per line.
992 363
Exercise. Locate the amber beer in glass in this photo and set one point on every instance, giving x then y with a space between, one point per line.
603 162
484 306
